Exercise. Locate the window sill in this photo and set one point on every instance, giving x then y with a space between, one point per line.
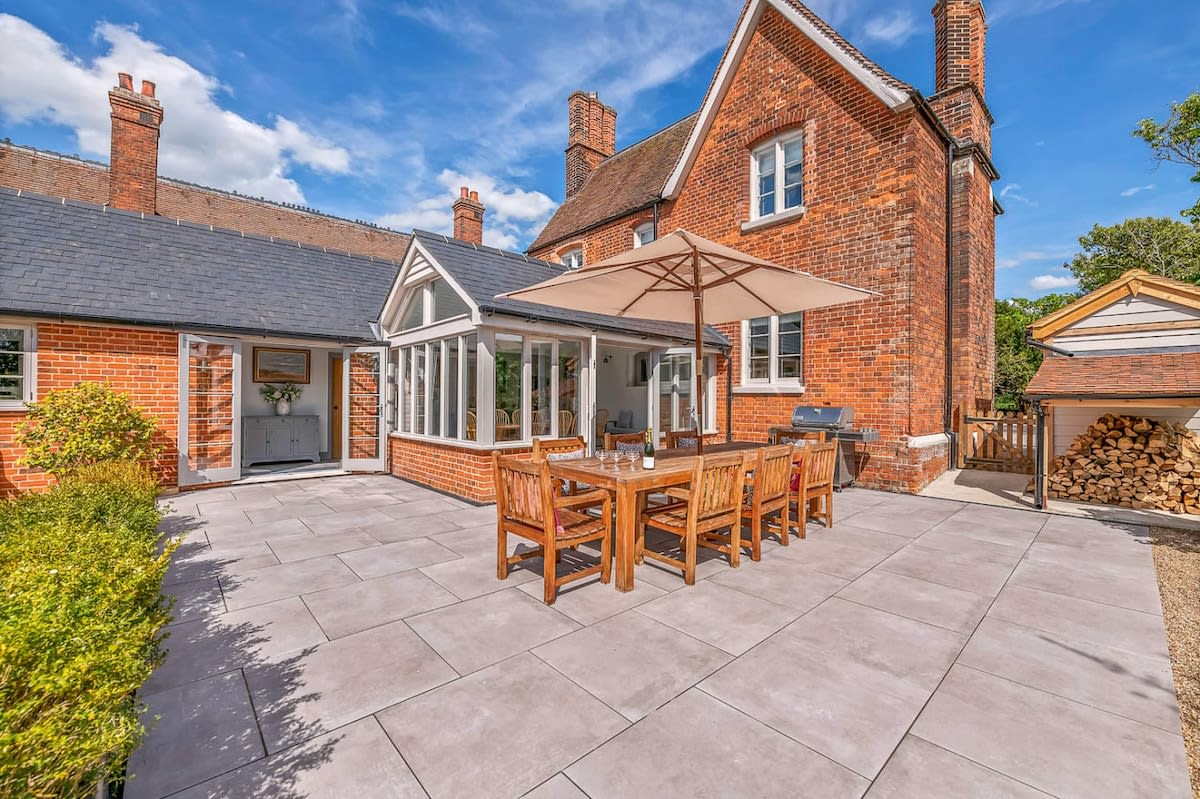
775 219
13 406
768 388
458 443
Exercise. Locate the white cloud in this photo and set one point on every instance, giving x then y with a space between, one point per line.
1033 256
201 141
892 29
513 214
1132 190
1012 191
1046 282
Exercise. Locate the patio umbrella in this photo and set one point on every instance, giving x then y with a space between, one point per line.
683 277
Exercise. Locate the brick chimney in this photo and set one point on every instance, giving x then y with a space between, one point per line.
959 32
592 137
133 165
468 217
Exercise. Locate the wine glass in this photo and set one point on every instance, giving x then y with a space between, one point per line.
632 456
605 457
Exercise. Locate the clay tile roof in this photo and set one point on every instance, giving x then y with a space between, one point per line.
1174 374
849 49
628 180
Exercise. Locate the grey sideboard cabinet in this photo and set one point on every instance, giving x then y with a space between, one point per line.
269 439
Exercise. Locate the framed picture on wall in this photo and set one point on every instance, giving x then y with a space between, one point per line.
272 365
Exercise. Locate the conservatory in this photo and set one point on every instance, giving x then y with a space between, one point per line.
469 373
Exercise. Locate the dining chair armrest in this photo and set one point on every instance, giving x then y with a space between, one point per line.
582 500
682 494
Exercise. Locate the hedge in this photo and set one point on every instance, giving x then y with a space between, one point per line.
81 619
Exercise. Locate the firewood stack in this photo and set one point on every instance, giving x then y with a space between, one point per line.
1132 462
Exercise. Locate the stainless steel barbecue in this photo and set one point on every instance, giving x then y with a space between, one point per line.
838 424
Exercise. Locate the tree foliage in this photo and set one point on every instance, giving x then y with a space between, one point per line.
87 423
1177 140
1017 361
1160 245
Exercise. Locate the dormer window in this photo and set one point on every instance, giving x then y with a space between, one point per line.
776 172
572 259
643 234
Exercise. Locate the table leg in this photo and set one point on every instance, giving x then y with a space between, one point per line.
626 528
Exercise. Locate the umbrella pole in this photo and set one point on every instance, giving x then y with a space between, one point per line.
698 371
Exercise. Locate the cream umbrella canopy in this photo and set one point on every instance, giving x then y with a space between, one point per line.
683 277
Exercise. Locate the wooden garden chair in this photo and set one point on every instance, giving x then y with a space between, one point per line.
528 506
711 503
813 492
625 441
769 495
560 449
682 439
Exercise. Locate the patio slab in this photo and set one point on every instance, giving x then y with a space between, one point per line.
632 663
521 707
697 746
916 648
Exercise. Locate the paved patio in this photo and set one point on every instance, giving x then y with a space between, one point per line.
347 637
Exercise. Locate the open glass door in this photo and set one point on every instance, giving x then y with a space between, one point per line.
673 403
210 394
364 436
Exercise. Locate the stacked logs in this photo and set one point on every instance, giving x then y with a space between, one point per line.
1132 462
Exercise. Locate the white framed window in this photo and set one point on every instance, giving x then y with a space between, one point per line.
434 301
776 176
643 234
572 259
435 385
17 347
674 400
773 350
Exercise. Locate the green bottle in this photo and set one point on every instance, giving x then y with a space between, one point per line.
648 452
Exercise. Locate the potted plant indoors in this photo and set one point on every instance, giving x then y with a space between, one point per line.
281 397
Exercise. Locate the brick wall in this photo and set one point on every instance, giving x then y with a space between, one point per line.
455 470
141 363
874 187
59 176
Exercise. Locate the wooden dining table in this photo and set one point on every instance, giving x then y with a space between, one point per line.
631 484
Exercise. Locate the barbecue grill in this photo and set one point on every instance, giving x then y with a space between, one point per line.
837 423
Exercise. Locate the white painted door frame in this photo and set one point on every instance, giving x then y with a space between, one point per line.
188 476
379 462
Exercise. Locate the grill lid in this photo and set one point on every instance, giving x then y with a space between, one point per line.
822 416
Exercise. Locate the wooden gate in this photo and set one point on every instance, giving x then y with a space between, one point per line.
1000 442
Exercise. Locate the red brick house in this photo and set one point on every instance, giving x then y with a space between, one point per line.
807 153
803 152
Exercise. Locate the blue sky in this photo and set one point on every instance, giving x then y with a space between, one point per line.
380 110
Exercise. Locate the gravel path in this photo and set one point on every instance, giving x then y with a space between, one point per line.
1177 561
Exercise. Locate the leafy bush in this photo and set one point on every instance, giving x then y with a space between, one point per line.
88 423
81 618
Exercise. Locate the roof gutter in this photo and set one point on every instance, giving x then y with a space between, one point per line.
1031 341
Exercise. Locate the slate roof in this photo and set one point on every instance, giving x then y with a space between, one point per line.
81 261
484 272
624 182
1175 374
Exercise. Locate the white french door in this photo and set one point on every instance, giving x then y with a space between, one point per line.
364 435
210 409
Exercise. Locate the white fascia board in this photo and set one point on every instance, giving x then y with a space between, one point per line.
892 98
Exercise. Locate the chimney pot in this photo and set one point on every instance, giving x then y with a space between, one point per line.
468 217
133 162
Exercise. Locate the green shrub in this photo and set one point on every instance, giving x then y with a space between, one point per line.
87 423
81 618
